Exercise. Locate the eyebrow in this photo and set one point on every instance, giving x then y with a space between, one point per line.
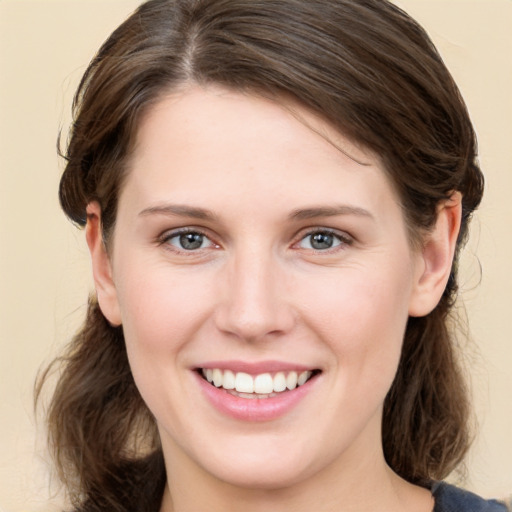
179 210
195 212
329 211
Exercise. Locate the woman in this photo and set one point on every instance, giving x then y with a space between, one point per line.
275 194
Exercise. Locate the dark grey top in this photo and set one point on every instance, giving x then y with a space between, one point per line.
452 499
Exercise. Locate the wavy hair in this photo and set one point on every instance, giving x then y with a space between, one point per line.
362 65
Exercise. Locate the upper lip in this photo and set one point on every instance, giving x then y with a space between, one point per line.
255 368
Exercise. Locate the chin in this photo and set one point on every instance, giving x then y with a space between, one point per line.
259 467
264 477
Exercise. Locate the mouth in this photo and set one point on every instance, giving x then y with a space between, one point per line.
260 386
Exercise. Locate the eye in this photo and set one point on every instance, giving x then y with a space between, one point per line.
322 240
188 241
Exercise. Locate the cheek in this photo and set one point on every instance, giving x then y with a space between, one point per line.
160 309
362 316
161 314
356 303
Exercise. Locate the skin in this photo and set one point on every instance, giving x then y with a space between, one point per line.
257 290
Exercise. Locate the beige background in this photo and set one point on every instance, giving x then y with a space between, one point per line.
44 269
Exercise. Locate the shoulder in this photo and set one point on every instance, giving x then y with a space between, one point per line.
452 499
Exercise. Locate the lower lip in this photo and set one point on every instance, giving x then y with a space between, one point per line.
254 409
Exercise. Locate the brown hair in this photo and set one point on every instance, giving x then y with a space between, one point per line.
363 65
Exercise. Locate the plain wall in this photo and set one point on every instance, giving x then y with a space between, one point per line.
44 268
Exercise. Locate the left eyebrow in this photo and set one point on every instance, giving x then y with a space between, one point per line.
329 211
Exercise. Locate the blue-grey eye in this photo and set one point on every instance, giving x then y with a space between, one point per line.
189 241
321 240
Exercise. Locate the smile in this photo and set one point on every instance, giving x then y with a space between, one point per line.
263 385
256 392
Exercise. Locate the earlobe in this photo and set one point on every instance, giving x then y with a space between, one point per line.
101 266
436 257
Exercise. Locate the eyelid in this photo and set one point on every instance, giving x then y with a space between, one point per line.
167 235
343 236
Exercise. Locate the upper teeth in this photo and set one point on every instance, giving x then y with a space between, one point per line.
263 383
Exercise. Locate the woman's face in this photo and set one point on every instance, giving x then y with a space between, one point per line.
250 249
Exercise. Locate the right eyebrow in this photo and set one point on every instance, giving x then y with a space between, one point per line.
179 210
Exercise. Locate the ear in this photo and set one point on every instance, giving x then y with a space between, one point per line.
101 266
436 257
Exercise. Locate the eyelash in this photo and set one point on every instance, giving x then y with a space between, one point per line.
343 239
168 236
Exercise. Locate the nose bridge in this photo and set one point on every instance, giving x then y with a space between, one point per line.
254 302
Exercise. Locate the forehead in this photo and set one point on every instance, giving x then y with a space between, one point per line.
208 144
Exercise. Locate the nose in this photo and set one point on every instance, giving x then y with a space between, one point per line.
253 303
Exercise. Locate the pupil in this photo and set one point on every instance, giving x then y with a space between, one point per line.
191 241
321 241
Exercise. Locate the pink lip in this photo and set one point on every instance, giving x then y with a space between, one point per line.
255 409
255 368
